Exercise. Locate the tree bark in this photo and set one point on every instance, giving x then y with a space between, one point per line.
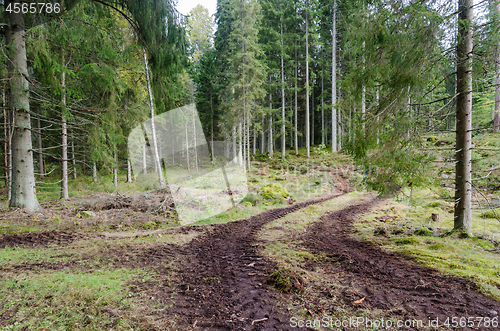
334 79
296 109
41 168
463 215
129 172
73 158
270 134
156 157
64 133
496 116
322 106
6 136
115 168
94 172
23 172
283 129
308 129
144 160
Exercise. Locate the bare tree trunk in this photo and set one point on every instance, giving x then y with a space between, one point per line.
263 137
23 172
313 113
240 143
235 155
115 168
270 134
64 128
244 140
41 168
187 148
6 136
195 143
377 97
283 129
334 78
496 116
73 155
322 107
129 172
248 142
212 123
94 172
144 162
156 157
296 109
463 215
254 140
308 128
363 93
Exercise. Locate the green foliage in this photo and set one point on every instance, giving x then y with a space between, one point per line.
274 192
492 213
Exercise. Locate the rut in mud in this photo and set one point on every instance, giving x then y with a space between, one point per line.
35 239
223 278
389 281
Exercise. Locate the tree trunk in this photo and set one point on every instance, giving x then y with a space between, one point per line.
156 157
296 109
496 116
129 172
283 141
248 142
263 137
94 172
41 168
334 78
463 215
73 158
363 93
23 172
64 128
240 143
6 137
270 134
115 168
254 140
187 148
308 129
195 143
322 107
144 160
212 123
235 155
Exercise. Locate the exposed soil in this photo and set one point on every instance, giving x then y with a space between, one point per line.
391 282
222 281
35 239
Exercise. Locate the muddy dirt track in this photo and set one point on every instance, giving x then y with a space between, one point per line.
391 282
221 278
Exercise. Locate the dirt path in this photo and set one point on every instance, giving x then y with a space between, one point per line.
391 282
222 282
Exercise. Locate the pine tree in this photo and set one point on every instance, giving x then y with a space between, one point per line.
463 207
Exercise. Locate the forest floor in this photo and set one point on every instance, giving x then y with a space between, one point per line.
333 260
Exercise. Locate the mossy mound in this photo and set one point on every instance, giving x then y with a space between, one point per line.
491 213
274 192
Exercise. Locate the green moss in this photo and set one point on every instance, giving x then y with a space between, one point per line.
149 225
406 241
274 192
491 213
423 232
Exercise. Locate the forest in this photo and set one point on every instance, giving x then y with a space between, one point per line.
126 119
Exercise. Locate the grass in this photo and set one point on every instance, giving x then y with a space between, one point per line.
317 299
58 300
412 233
